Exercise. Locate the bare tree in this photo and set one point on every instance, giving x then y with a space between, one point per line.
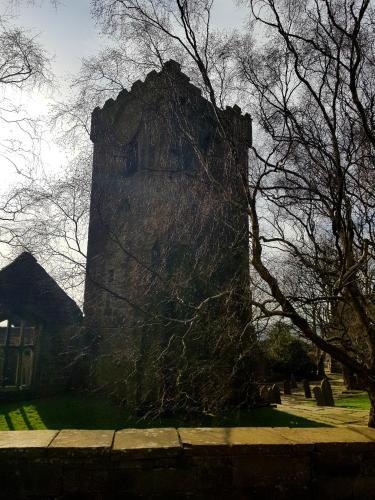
310 197
316 108
24 66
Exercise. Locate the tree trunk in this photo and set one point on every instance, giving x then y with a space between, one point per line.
348 378
371 394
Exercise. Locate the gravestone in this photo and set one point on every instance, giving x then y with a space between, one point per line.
264 393
306 388
318 396
323 394
327 394
293 382
274 394
287 387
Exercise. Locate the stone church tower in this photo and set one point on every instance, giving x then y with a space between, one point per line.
167 264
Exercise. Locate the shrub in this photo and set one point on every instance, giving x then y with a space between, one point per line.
285 353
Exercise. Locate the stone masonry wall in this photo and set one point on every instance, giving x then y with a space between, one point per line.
196 463
168 232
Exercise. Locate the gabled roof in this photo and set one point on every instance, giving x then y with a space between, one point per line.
29 292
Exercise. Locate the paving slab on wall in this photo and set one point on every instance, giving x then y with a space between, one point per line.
191 463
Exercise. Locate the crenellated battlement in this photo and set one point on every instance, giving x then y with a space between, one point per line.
169 83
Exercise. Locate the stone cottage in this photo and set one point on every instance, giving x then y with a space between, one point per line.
167 266
37 320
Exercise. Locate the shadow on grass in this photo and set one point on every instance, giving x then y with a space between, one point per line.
70 411
258 417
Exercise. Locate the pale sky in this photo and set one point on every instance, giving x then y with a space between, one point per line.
69 34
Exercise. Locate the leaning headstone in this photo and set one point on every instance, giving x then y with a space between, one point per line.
264 393
318 396
327 394
274 394
293 382
287 388
306 388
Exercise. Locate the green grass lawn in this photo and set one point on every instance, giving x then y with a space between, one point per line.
68 411
88 412
357 402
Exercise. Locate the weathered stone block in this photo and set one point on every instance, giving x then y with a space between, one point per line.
365 431
81 443
338 488
260 468
25 443
21 440
232 441
145 483
336 461
147 443
325 435
78 480
42 479
363 488
214 472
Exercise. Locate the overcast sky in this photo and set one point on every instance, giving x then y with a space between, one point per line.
68 34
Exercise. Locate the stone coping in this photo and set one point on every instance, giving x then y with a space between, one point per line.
171 442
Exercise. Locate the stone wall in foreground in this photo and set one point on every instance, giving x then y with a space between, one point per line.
219 463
